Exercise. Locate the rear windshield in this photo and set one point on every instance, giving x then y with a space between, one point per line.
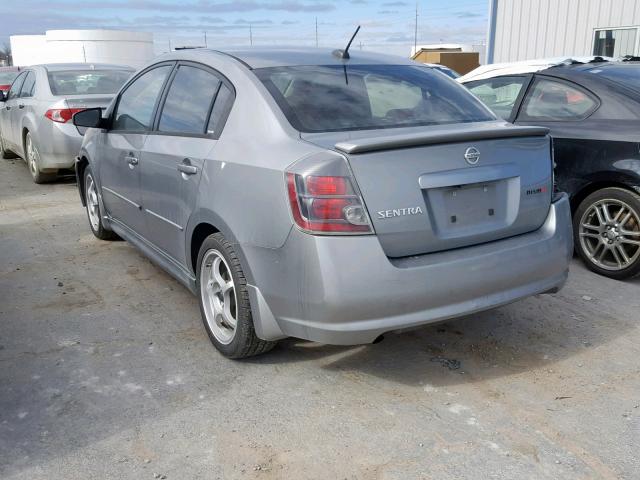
7 77
79 82
627 75
359 97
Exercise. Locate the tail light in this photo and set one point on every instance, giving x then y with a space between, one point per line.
61 115
327 204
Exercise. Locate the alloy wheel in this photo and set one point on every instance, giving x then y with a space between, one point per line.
218 296
609 233
93 208
33 156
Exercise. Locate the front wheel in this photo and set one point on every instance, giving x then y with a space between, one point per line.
224 300
606 229
32 157
93 208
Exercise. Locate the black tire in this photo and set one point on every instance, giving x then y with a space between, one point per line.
584 213
4 153
99 229
244 342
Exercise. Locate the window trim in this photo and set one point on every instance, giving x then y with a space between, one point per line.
163 96
112 116
35 81
22 75
539 78
521 94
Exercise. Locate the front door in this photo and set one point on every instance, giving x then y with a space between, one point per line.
120 169
175 153
6 112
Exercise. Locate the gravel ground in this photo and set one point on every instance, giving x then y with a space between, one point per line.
106 372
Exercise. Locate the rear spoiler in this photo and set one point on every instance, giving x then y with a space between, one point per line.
464 134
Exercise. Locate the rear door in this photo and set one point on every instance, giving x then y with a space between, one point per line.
120 165
563 107
188 125
24 104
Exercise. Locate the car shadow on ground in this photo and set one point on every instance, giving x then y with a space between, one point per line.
531 334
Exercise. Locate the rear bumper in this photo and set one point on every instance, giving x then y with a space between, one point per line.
59 146
344 290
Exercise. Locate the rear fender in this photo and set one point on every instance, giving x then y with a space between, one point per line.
208 216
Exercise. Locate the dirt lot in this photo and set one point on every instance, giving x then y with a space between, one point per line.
106 372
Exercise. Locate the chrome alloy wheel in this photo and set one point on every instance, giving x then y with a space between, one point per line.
610 234
33 156
93 207
218 296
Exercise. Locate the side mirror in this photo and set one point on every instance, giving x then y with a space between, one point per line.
3 96
90 118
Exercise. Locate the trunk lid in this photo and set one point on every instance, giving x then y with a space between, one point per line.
88 101
450 186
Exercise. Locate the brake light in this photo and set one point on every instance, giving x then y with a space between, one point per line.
61 115
326 204
326 185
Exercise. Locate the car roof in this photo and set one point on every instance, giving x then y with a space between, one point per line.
529 66
263 57
58 67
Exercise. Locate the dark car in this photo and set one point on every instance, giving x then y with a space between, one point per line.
593 113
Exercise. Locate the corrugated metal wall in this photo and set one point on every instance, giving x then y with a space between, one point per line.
527 29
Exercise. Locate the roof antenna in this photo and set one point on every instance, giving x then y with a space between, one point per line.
345 53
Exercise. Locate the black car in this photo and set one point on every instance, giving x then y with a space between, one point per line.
593 112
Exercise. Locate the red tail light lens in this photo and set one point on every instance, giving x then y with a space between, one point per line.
322 204
61 115
326 185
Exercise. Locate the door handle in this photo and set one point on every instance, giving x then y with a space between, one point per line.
186 167
21 106
8 107
132 161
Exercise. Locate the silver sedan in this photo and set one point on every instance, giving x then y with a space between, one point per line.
322 196
35 115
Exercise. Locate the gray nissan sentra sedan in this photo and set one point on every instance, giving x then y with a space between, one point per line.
299 193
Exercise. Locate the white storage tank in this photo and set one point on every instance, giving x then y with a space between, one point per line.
92 46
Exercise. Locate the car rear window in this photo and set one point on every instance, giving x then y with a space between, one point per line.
625 74
7 77
359 97
80 82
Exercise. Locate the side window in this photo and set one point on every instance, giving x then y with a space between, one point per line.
499 94
135 107
186 108
220 110
555 100
14 91
28 86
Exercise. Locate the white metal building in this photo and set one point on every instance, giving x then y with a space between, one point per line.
92 46
528 29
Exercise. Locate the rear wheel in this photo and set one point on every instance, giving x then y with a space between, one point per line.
93 208
607 232
32 157
224 300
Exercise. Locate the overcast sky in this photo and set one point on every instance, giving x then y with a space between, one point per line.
387 26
